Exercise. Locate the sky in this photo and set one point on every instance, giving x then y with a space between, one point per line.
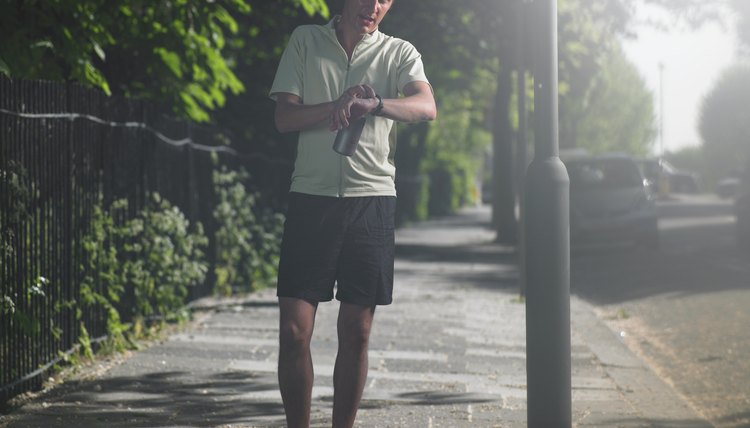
692 59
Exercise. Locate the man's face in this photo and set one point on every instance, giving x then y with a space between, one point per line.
365 15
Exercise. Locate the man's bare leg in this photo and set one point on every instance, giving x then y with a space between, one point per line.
350 373
297 319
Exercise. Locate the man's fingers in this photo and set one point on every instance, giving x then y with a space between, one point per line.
344 117
334 124
340 117
355 92
345 105
360 91
369 91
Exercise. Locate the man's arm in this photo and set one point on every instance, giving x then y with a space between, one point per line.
417 105
292 115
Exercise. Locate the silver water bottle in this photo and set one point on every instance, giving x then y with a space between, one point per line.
348 138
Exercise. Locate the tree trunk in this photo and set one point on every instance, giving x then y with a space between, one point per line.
503 174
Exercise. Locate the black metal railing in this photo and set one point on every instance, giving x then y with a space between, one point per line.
63 149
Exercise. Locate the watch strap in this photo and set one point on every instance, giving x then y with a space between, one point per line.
379 108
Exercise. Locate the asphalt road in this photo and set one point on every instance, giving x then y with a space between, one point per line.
685 308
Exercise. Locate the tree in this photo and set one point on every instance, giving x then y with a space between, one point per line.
438 162
724 123
742 12
697 12
170 52
470 53
619 112
255 51
505 191
588 34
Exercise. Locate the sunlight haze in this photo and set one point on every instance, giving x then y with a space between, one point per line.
693 59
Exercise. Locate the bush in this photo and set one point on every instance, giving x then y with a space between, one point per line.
156 254
21 305
161 257
103 282
248 239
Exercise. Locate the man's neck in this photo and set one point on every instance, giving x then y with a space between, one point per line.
346 37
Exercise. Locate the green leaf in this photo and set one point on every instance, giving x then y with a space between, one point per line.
225 18
242 6
95 77
171 60
4 68
43 44
315 6
98 50
8 306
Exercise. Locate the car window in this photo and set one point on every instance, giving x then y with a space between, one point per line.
604 174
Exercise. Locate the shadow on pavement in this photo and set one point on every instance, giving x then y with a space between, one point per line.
485 265
737 419
436 398
157 399
429 398
485 253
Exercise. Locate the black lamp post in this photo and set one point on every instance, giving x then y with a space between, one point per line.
547 250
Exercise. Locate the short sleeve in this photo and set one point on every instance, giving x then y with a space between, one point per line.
410 68
289 75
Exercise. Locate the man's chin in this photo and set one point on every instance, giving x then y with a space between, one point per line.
366 26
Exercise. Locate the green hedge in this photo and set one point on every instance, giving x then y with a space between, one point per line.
248 240
142 267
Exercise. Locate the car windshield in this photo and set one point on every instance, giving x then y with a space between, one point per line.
604 174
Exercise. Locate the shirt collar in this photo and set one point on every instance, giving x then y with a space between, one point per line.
367 38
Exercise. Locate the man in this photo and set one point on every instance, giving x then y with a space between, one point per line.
339 226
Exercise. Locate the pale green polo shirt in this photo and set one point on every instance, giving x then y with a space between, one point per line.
315 67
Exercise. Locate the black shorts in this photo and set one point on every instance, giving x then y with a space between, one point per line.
346 241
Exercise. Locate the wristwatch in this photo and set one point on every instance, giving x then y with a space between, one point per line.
377 110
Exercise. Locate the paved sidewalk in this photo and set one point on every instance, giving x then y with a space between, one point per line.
450 352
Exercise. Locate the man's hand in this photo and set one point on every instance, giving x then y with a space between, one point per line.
356 102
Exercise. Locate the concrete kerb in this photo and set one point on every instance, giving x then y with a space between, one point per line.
653 401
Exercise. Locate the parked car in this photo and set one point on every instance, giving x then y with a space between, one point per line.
729 186
663 177
610 201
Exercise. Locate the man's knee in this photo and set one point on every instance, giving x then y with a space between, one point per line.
354 326
354 337
294 338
